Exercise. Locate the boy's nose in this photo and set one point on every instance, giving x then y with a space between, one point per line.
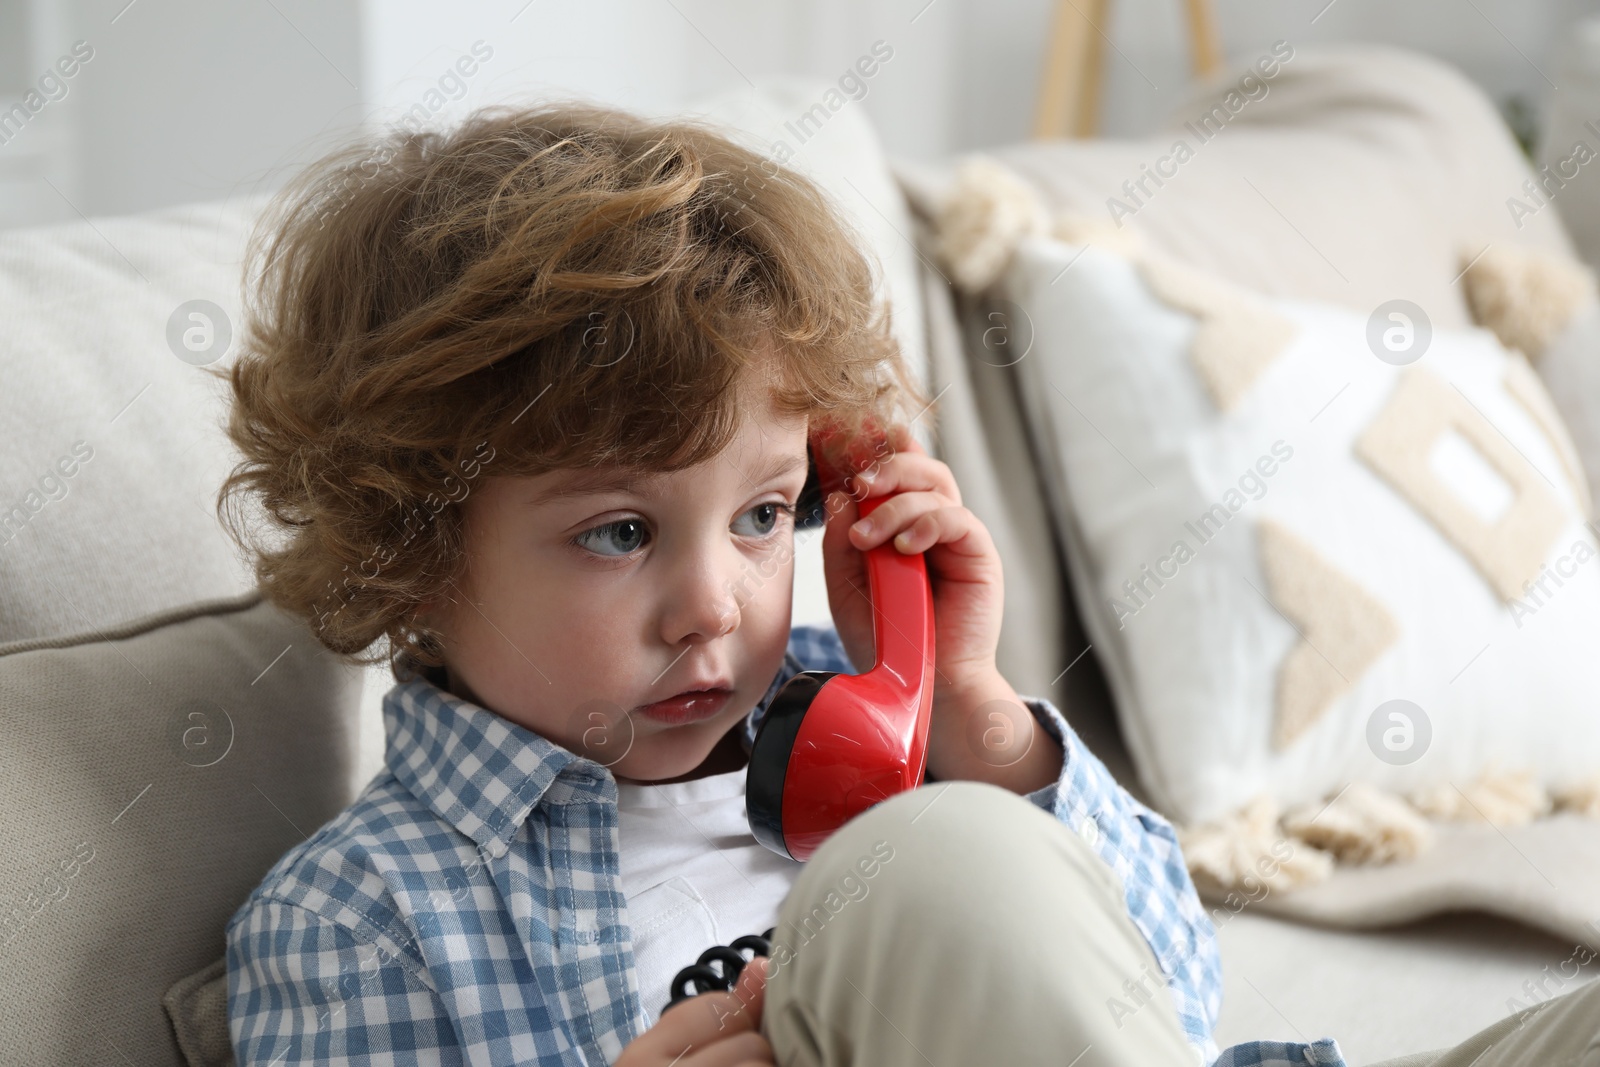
704 605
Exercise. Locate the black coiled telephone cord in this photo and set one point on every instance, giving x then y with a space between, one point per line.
706 978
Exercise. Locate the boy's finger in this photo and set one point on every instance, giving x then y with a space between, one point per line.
906 472
957 529
740 1051
697 1022
894 515
751 988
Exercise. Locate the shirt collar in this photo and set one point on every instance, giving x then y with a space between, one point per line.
484 774
481 773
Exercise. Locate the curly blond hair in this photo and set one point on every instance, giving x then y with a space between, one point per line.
535 289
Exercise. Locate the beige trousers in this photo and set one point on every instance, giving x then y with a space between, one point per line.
958 925
1563 1031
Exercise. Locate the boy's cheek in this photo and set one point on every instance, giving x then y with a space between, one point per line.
553 654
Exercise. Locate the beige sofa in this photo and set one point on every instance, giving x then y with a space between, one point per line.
168 736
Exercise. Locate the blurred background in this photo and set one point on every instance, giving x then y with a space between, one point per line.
175 100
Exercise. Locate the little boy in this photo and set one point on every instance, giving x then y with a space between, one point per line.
529 406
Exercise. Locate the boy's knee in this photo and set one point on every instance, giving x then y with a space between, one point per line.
988 817
969 859
948 839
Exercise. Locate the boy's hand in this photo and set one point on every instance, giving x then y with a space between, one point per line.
980 728
709 1029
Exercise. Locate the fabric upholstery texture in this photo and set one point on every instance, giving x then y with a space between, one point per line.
93 387
197 1004
152 773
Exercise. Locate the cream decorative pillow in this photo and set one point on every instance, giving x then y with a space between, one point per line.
1333 563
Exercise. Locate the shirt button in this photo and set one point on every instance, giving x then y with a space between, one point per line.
1089 830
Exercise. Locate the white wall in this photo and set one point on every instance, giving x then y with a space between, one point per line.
181 101
964 73
189 99
1503 45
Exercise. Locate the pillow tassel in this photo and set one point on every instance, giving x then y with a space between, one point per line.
1363 824
986 212
1247 849
1498 797
1582 798
989 208
1525 296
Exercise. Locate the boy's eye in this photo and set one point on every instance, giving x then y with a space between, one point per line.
767 518
619 538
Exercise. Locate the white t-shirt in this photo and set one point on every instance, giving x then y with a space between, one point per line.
694 875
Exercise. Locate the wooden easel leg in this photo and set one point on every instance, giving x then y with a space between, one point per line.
1069 85
1205 44
1074 63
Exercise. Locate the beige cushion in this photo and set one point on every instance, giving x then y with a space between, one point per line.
93 388
151 774
198 1007
1355 180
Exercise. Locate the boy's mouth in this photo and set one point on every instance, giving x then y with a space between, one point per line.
691 705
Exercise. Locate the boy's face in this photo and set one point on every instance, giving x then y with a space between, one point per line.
580 609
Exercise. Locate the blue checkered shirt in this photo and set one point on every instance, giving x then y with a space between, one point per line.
466 908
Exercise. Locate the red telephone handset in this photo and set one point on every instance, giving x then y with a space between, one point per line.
832 745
